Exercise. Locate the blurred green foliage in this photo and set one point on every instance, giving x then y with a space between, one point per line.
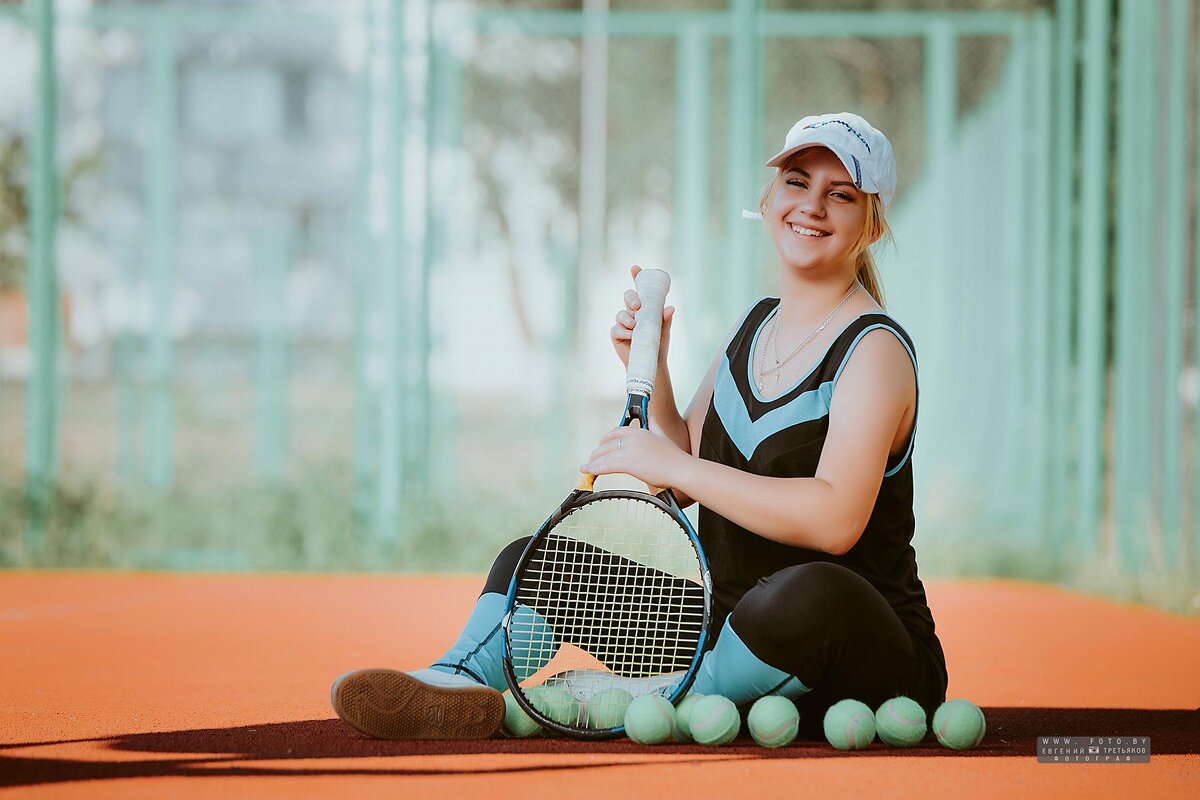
14 213
14 205
306 523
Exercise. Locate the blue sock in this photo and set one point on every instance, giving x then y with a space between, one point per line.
479 651
730 669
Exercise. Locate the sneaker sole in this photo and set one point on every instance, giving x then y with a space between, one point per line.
388 704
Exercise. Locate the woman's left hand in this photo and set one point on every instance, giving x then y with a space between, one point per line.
648 456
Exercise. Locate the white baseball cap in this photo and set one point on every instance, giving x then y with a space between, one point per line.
864 151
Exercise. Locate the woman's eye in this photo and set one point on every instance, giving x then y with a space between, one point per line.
841 196
797 182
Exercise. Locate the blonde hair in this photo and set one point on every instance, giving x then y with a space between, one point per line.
875 229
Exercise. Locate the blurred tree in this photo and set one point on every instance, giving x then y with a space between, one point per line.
14 213
14 205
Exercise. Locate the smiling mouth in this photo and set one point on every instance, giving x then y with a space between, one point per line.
808 233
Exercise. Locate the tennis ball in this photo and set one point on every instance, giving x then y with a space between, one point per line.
849 725
532 642
773 721
557 704
516 722
900 722
607 709
683 714
959 724
714 720
650 719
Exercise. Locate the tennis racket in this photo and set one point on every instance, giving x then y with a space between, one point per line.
611 599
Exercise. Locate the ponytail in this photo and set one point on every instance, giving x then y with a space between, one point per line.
874 229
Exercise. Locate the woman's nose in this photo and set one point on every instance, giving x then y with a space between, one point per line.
813 204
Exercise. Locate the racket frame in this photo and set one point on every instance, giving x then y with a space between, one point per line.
636 408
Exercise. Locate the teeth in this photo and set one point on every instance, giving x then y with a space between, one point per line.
806 231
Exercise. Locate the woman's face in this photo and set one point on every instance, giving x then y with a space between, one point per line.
816 214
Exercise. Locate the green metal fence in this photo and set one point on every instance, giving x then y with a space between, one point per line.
509 164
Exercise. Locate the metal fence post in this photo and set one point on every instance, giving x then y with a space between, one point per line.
42 400
159 171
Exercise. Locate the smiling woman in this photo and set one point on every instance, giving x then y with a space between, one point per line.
819 221
816 216
812 196
802 436
804 481
797 448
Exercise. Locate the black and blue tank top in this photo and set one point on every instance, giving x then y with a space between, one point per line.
783 438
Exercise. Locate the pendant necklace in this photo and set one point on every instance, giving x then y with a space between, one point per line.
763 372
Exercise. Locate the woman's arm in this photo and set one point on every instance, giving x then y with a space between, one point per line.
826 512
664 414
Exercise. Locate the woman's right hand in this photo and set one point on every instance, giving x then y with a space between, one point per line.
622 332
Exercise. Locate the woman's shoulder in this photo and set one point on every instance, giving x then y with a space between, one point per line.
876 332
871 316
749 319
762 305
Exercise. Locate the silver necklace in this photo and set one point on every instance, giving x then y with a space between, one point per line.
772 336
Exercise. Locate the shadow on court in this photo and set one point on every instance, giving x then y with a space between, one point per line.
213 752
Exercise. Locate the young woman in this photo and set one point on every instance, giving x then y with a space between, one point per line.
797 445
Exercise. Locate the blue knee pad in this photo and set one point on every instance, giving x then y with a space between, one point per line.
731 670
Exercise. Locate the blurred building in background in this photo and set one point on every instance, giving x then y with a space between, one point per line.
331 281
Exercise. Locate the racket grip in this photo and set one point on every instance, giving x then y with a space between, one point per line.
652 287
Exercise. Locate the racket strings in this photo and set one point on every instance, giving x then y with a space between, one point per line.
616 588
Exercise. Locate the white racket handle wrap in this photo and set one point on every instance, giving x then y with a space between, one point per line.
652 287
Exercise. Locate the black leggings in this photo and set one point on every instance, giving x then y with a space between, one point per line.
821 622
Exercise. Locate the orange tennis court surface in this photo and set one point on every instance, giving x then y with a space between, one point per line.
168 685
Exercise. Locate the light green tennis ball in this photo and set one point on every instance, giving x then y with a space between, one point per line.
607 709
532 642
849 725
900 722
516 722
959 724
650 719
714 720
557 704
532 693
683 715
773 721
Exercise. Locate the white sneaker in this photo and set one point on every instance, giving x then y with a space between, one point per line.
583 684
